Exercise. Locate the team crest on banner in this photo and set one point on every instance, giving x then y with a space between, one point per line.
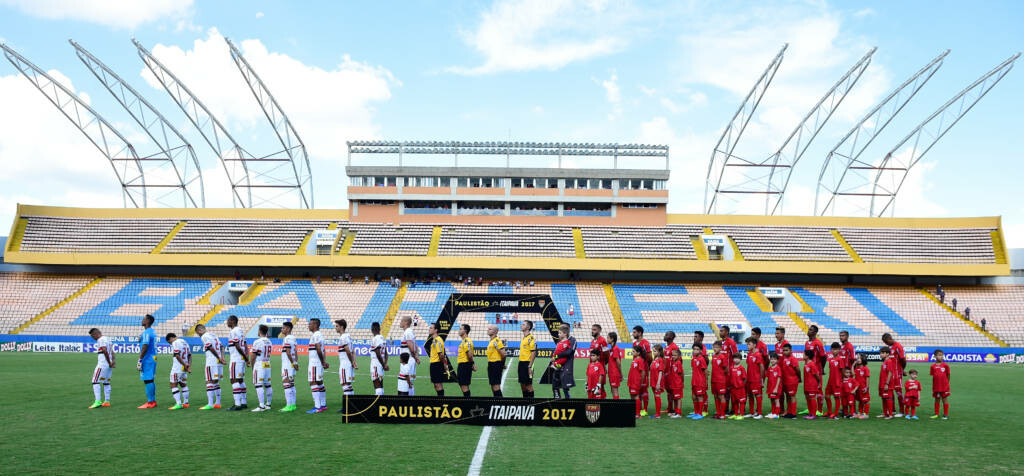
540 303
593 412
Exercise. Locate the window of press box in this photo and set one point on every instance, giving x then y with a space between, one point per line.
428 181
377 202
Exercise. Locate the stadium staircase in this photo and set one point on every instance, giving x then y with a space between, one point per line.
305 243
435 242
846 246
346 245
736 255
997 247
396 303
577 239
960 316
613 304
54 307
762 302
14 243
206 317
205 301
167 239
250 294
699 248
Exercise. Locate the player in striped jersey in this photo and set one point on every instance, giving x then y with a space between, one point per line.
214 366
104 367
378 359
346 358
409 346
259 359
181 365
315 368
289 365
236 349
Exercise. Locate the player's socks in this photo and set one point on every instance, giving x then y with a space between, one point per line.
234 392
829 410
211 394
96 388
759 400
261 395
378 391
936 408
177 396
657 405
497 393
466 394
184 396
440 393
792 406
217 389
268 389
243 393
150 391
638 405
106 392
945 409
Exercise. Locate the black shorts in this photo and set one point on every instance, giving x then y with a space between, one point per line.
524 373
437 374
494 370
465 373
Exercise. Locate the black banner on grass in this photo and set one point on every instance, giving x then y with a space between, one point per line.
498 303
494 411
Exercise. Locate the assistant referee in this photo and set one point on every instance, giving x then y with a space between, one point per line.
465 364
527 354
438 370
495 359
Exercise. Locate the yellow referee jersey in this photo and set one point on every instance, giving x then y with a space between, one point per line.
526 345
436 349
465 350
492 350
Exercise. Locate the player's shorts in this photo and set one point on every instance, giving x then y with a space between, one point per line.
614 379
885 393
237 370
345 373
864 396
523 372
315 373
179 377
102 374
789 389
214 372
287 372
774 395
940 394
755 388
376 370
464 372
699 391
437 373
719 389
494 370
657 391
148 370
810 395
912 401
833 390
261 373
739 395
676 392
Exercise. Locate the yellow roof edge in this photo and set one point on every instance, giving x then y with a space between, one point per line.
836 222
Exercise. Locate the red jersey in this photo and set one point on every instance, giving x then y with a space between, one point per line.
601 345
901 356
790 370
738 377
835 371
720 368
755 364
774 380
703 351
913 389
762 349
657 376
594 373
637 374
848 353
778 348
850 386
669 348
641 349
812 377
615 356
559 347
674 377
729 346
820 357
890 375
699 366
863 376
940 377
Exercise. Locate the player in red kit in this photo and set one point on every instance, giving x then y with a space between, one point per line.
614 367
912 395
719 378
901 362
834 387
780 341
598 342
849 393
657 377
940 383
848 353
738 386
774 388
674 380
730 348
670 344
637 380
863 375
820 358
755 382
595 376
886 380
698 342
762 348
790 380
812 383
699 382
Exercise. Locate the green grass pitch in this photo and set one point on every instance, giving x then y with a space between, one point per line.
47 429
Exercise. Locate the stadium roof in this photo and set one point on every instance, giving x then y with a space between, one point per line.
506 148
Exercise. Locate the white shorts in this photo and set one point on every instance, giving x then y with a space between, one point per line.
413 363
287 372
345 373
179 377
376 370
237 370
316 373
214 372
101 374
261 373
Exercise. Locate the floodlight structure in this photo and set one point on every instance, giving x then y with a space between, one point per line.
175 155
128 166
892 170
842 176
301 173
722 155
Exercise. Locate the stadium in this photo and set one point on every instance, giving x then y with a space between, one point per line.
465 244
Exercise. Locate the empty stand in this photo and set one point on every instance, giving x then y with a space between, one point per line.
1002 307
905 245
25 295
672 242
395 240
274 237
94 235
506 240
785 243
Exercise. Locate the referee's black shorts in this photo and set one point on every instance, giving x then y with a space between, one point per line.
494 370
524 373
437 372
465 373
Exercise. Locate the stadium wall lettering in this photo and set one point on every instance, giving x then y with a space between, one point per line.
492 411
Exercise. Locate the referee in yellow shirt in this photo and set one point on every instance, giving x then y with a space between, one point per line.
495 359
438 372
527 353
465 365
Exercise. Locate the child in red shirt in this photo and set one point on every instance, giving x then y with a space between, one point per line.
755 372
615 355
674 379
886 379
912 396
849 392
834 387
812 383
637 380
719 378
595 373
790 379
738 387
940 383
657 377
863 375
699 382
774 385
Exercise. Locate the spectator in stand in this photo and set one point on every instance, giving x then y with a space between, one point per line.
954 304
967 312
983 323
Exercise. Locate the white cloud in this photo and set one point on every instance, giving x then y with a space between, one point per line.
522 35
259 14
648 91
113 13
864 12
1014 234
613 94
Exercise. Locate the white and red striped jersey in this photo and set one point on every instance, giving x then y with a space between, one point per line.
236 336
314 358
344 343
181 349
289 347
103 350
211 346
262 348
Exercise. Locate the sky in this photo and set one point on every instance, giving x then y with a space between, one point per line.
597 71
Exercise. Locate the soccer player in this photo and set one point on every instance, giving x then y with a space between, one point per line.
346 358
527 354
901 361
774 388
600 343
614 370
409 347
405 377
315 367
181 365
595 376
496 359
674 381
812 383
940 384
698 340
259 359
214 366
886 380
738 386
820 355
730 348
637 379
755 333
104 367
464 362
790 380
670 344
289 365
438 361
850 391
755 380
236 350
719 378
863 375
147 361
780 341
848 353
378 359
699 382
913 395
834 387
657 377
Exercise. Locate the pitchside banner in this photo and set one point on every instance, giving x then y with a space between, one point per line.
499 303
493 411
